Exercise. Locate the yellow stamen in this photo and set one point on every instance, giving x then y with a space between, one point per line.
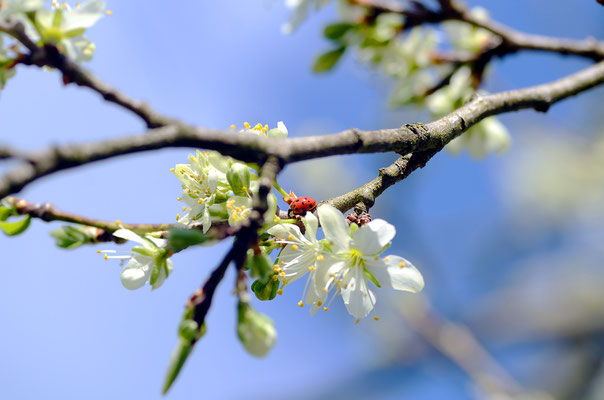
172 169
357 321
233 127
376 318
402 264
201 201
320 257
177 217
282 274
276 220
325 309
301 303
179 198
294 247
118 222
291 237
311 268
108 12
98 252
105 257
184 208
319 303
246 125
280 292
275 278
386 259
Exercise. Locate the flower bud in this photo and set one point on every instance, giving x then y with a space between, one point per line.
255 330
279 132
265 289
238 176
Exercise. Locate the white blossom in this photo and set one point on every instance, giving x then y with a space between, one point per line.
344 263
145 263
64 27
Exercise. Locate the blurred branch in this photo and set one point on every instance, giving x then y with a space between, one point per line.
456 342
7 152
409 138
511 40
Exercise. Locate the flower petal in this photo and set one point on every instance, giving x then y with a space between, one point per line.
137 272
83 16
397 273
283 231
129 235
311 223
334 226
358 298
371 238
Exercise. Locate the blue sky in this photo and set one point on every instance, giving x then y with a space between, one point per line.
70 330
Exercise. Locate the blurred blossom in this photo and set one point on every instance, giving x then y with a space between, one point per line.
557 178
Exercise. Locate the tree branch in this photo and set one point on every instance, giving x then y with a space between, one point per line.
245 237
48 213
409 138
512 40
50 56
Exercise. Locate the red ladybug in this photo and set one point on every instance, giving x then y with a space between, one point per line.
301 206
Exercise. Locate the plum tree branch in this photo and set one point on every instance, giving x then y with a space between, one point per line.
409 138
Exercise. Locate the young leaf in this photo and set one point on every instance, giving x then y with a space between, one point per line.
337 31
16 227
327 61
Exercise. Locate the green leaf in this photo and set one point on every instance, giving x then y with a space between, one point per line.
70 237
180 239
15 228
337 31
5 212
327 61
177 360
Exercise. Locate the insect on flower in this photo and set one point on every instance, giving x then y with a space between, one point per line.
299 205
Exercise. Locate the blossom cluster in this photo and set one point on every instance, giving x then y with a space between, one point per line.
60 25
219 188
343 263
214 188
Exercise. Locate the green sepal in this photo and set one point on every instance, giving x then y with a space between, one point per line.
144 251
372 278
157 266
337 31
15 228
328 60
